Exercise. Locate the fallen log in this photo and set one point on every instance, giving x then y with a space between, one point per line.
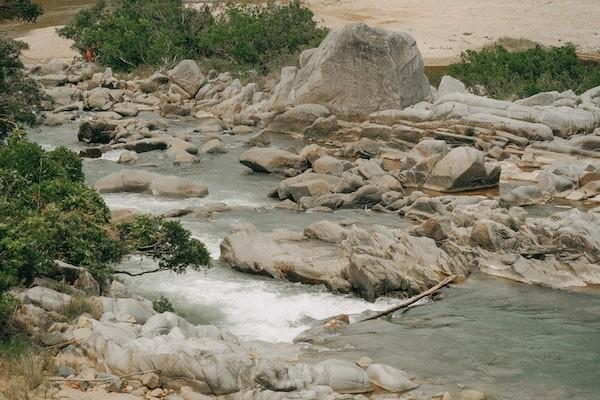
413 299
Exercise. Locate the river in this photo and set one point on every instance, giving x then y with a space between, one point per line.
510 340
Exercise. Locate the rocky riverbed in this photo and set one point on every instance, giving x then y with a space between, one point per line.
340 191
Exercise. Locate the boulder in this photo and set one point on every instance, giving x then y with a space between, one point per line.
126 109
142 181
449 85
270 159
213 146
98 99
341 376
321 128
358 70
127 157
297 118
328 165
96 131
64 95
176 187
390 378
463 168
188 76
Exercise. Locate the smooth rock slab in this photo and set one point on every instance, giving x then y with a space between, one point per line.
270 159
390 378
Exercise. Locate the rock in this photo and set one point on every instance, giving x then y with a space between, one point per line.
188 76
364 362
321 128
176 187
241 130
64 95
312 152
358 70
389 378
369 169
126 109
87 283
96 131
125 181
55 119
142 181
375 131
151 380
341 376
524 196
450 85
463 168
326 231
98 99
262 138
187 393
270 159
65 371
328 165
46 298
284 255
308 188
471 395
91 152
181 157
213 146
127 157
297 118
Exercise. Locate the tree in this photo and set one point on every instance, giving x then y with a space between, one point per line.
20 96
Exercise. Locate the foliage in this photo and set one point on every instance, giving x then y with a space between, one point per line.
20 96
49 213
165 241
8 306
128 33
162 304
507 74
23 10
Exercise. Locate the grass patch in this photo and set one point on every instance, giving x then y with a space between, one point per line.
24 367
523 73
80 305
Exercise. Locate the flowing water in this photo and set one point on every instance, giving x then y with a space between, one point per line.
510 340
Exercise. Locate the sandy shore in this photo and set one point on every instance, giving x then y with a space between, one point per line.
443 29
45 44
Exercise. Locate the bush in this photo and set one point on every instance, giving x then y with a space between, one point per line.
507 74
165 241
24 10
129 33
20 96
48 213
162 304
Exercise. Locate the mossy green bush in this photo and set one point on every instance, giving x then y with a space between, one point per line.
128 33
162 304
507 74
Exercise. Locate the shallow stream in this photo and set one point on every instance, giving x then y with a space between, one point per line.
509 340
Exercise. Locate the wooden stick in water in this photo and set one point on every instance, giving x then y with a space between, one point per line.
413 299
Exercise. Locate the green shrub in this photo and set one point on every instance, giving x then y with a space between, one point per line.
162 304
24 10
165 241
48 213
129 33
507 74
20 96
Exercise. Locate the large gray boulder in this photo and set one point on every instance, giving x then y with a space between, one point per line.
188 76
270 159
463 168
147 182
358 70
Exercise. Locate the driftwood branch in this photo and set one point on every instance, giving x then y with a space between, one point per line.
413 299
137 273
108 378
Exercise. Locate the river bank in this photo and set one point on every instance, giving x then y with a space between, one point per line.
442 31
